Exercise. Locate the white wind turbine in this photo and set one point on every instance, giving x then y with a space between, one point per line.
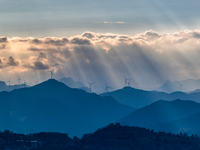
90 84
127 81
19 80
52 73
9 81
25 83
107 87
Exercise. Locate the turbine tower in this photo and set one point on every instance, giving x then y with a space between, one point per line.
25 83
107 87
36 81
129 82
51 74
180 85
90 85
9 81
79 83
19 80
125 80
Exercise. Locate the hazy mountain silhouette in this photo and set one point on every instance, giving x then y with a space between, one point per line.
184 86
188 125
195 91
136 98
71 83
161 111
4 87
53 106
139 98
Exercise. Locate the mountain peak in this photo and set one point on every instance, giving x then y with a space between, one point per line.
168 81
52 83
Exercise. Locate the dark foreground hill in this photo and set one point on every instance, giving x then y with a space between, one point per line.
111 137
52 106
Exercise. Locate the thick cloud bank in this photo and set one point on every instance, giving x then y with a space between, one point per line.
148 59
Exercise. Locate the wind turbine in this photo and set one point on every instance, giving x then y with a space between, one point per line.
107 87
51 73
125 80
79 83
36 81
25 83
180 85
19 80
129 82
90 85
9 81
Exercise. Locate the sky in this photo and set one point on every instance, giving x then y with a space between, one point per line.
145 41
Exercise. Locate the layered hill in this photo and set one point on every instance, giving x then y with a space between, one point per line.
184 86
138 98
189 125
161 114
53 106
4 87
73 84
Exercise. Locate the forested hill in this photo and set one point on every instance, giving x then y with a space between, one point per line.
111 137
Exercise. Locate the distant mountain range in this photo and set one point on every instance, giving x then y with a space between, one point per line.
71 83
169 116
187 85
138 98
53 106
4 87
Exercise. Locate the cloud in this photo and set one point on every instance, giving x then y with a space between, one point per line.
152 34
106 22
42 55
56 41
147 58
35 49
36 41
196 34
3 39
80 41
12 62
121 22
39 65
88 35
3 46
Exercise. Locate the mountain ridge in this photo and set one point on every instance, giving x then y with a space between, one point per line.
161 111
53 106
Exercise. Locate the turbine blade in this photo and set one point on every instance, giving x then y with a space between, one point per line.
87 82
